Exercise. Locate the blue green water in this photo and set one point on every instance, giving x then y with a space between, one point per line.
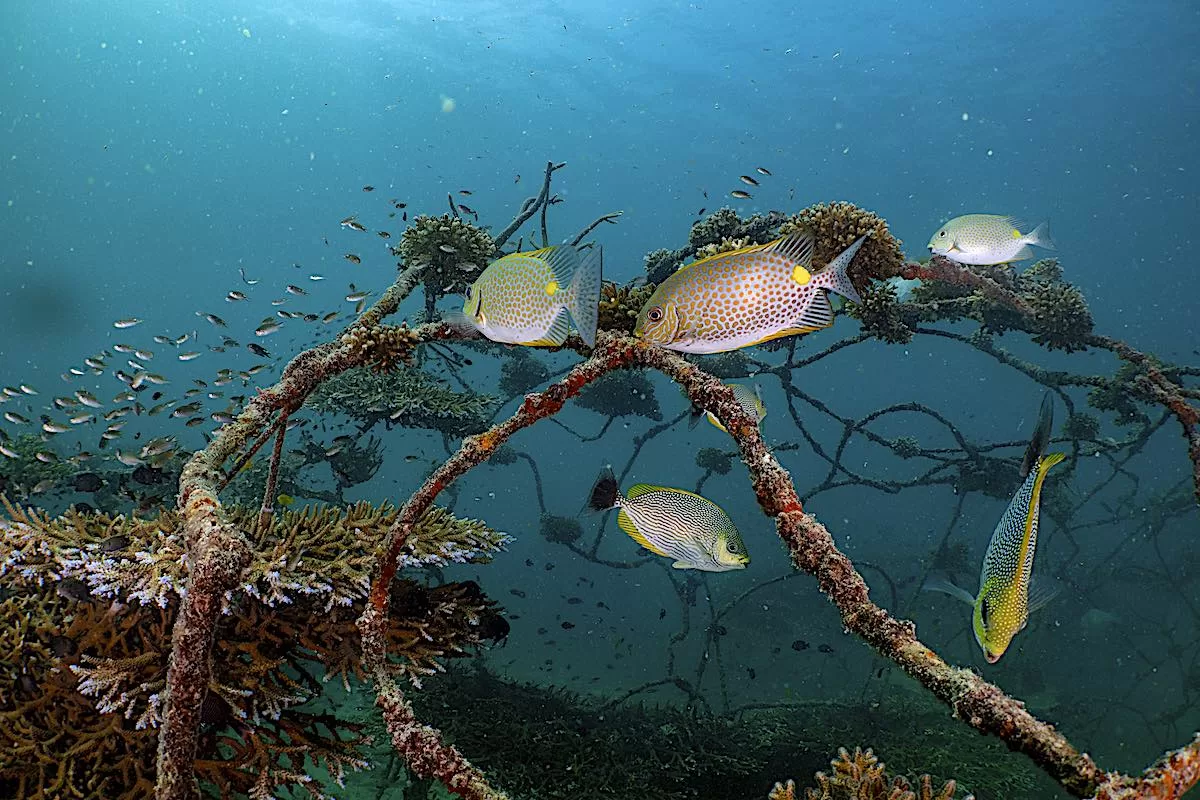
148 152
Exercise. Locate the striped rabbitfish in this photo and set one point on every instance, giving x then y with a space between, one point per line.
525 298
746 297
1003 605
748 397
987 239
673 523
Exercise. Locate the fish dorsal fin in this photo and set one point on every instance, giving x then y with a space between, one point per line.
626 524
798 248
754 248
1017 224
556 334
639 489
818 314
562 259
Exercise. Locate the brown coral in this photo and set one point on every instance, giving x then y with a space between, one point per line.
619 305
862 776
381 347
836 226
82 674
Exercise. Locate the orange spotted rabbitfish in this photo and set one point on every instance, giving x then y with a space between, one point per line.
525 298
987 239
673 523
746 297
749 398
1003 604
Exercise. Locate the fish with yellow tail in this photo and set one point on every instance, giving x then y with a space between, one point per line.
1004 602
746 297
528 298
749 398
988 239
673 523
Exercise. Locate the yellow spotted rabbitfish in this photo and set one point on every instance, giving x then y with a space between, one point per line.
673 523
746 297
988 239
525 298
1003 604
748 397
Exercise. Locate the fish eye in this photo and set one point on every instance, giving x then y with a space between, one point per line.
943 233
655 314
733 548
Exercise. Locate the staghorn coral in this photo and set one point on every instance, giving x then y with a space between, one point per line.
452 252
619 305
726 245
408 397
622 394
81 692
836 225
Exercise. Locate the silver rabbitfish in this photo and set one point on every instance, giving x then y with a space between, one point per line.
525 298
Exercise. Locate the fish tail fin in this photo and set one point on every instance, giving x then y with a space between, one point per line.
1041 236
834 276
583 298
1049 460
1041 436
604 492
940 582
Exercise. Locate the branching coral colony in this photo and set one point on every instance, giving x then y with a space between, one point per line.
184 651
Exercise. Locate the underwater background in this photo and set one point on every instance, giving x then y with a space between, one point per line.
150 152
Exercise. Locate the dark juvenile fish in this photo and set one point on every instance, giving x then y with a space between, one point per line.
258 350
824 648
740 195
799 645
746 179
566 626
762 170
353 259
368 188
466 192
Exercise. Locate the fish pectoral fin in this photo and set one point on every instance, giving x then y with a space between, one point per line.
626 524
1041 594
683 565
557 333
